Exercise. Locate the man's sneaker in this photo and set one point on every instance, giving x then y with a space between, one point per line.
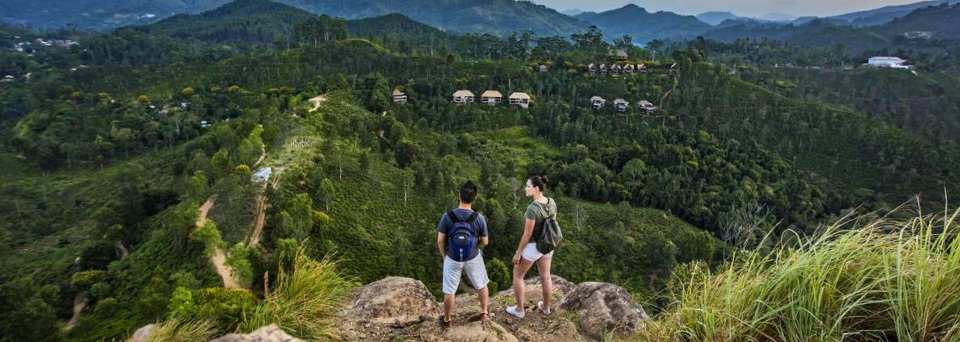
545 311
516 313
444 324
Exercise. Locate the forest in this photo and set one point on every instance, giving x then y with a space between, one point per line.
112 146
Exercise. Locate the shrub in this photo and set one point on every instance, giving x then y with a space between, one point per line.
305 301
176 330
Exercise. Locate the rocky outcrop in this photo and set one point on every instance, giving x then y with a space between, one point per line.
603 308
401 309
270 333
382 306
404 309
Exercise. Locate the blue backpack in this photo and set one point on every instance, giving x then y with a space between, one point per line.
461 237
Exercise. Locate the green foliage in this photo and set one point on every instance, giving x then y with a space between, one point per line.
85 279
183 330
209 236
227 308
305 300
864 279
28 313
238 260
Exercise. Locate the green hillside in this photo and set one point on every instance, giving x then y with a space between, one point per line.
111 162
251 21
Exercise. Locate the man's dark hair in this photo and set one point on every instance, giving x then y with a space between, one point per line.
468 192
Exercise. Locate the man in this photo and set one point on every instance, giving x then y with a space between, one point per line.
459 235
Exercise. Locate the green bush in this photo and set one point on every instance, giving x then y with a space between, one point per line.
209 236
84 279
226 308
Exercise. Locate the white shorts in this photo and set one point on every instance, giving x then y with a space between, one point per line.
476 271
530 253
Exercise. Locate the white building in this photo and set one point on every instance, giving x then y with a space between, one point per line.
262 175
520 99
887 62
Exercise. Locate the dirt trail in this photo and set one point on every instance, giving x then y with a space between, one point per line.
316 102
218 258
262 208
78 305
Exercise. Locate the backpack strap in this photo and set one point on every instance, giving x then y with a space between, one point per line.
453 216
472 217
454 219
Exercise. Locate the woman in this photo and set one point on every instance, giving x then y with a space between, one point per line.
527 253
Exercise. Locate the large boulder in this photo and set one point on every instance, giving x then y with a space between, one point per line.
477 331
603 308
270 333
393 301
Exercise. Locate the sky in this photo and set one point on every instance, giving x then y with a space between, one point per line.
747 8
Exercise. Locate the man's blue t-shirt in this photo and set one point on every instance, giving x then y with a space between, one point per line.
480 224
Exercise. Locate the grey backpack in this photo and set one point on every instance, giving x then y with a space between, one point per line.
551 235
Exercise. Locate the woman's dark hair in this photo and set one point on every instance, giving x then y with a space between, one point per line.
539 182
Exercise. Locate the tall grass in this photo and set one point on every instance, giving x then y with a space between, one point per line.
176 330
305 301
880 280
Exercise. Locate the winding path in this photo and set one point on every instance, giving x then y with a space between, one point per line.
218 258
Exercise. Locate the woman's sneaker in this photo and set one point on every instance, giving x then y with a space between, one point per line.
545 311
516 313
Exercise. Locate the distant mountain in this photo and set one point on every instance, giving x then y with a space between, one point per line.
940 21
644 26
251 21
97 14
572 12
937 23
400 28
778 17
489 16
815 33
715 18
884 15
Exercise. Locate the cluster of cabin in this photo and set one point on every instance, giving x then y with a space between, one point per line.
621 105
616 69
490 97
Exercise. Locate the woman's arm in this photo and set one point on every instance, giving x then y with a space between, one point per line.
527 233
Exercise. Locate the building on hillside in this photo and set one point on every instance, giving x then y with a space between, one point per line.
8 78
399 96
592 68
491 97
463 96
615 69
887 62
618 54
542 68
603 68
597 102
262 175
628 69
642 68
647 106
520 99
621 105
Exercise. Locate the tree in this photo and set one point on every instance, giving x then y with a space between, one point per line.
297 220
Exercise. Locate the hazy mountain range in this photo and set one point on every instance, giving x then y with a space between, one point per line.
497 17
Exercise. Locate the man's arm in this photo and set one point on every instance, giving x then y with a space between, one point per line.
485 240
441 244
